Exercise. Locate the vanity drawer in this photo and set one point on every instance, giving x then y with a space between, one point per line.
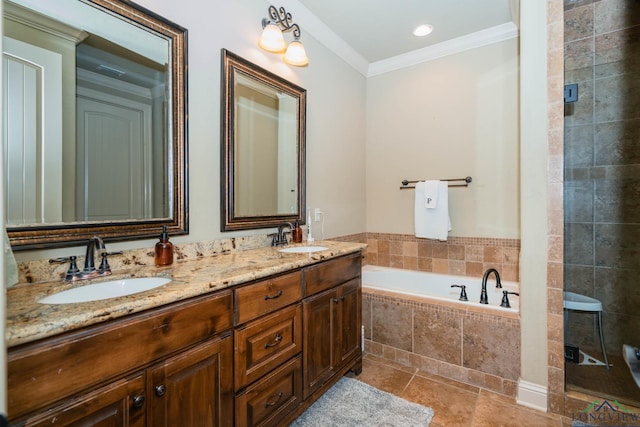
267 296
264 344
331 273
271 399
44 372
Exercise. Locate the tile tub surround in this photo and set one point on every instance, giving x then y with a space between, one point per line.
476 348
463 256
27 320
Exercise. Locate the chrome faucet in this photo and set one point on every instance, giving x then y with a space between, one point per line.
483 294
280 238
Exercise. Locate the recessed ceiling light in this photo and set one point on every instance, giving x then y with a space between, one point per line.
422 30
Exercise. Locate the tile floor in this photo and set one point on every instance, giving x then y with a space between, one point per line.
616 383
454 403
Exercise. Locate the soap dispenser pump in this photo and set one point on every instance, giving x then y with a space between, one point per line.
164 249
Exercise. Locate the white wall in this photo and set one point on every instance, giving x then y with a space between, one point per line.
449 118
335 119
534 163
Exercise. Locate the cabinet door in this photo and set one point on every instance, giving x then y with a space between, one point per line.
194 388
120 404
349 320
320 326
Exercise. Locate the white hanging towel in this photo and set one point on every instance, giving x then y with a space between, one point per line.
432 223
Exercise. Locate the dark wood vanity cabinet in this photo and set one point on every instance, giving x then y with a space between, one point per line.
268 344
332 319
255 355
110 373
282 358
193 388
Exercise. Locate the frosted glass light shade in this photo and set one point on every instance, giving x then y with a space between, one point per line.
296 55
272 39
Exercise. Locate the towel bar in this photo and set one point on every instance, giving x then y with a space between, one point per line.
467 180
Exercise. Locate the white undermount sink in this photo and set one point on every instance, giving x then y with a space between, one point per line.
105 290
302 249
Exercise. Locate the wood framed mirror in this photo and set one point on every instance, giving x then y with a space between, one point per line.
108 156
263 147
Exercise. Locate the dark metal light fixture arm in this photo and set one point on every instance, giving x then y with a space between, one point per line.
282 19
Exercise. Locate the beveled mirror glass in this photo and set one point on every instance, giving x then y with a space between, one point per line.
95 122
263 147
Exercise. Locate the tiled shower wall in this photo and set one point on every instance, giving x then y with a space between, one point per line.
602 166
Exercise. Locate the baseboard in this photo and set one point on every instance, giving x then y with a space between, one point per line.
532 395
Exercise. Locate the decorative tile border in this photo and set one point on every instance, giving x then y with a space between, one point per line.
464 256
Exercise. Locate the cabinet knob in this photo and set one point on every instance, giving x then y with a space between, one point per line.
138 401
160 390
336 300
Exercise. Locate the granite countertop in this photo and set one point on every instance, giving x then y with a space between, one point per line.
27 320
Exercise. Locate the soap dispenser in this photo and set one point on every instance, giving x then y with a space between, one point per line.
164 249
296 233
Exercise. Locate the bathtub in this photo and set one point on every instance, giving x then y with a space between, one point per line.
437 287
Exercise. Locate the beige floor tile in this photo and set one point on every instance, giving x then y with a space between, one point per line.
437 378
452 406
454 403
494 410
384 377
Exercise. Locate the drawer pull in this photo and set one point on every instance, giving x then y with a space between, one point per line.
274 402
160 390
275 342
277 295
138 401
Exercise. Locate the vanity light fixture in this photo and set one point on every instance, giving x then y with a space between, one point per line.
272 39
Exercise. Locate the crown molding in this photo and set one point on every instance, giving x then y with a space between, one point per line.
323 34
450 47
